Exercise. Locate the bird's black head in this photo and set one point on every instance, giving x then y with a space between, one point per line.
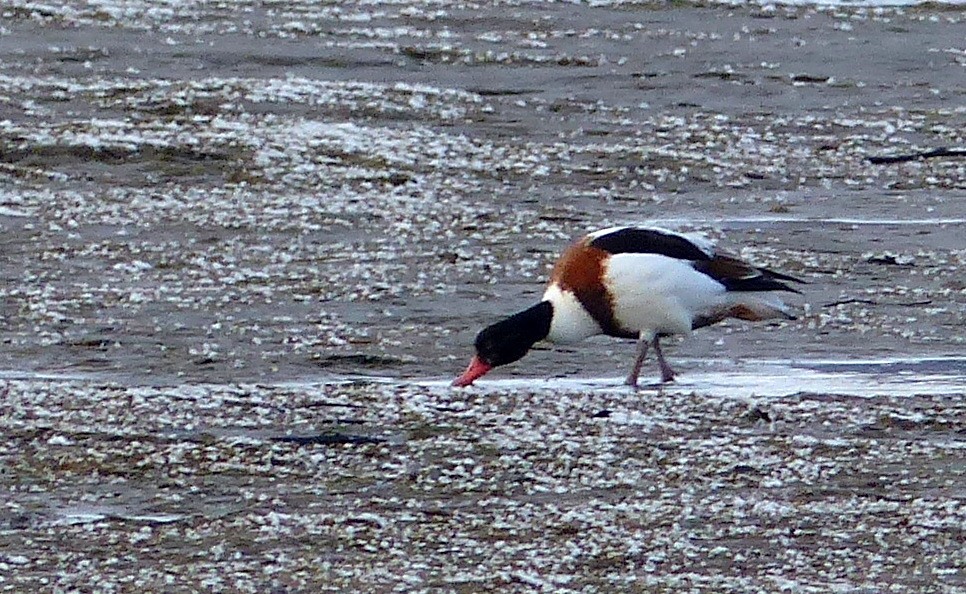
509 340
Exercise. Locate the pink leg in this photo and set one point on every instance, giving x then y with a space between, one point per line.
667 374
636 370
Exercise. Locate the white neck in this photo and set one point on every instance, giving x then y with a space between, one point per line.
570 322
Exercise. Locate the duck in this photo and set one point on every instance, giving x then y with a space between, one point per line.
634 282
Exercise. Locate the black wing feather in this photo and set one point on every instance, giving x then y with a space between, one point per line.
738 275
757 283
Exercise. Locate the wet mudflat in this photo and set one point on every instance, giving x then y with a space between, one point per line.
209 214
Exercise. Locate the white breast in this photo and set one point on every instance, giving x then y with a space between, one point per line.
654 294
570 322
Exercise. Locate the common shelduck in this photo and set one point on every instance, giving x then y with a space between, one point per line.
633 282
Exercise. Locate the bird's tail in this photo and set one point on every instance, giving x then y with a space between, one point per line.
762 306
745 306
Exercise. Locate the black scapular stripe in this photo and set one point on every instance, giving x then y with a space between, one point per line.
634 240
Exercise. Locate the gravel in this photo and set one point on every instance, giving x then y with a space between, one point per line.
117 488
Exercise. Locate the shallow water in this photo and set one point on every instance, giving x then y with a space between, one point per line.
944 376
938 376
